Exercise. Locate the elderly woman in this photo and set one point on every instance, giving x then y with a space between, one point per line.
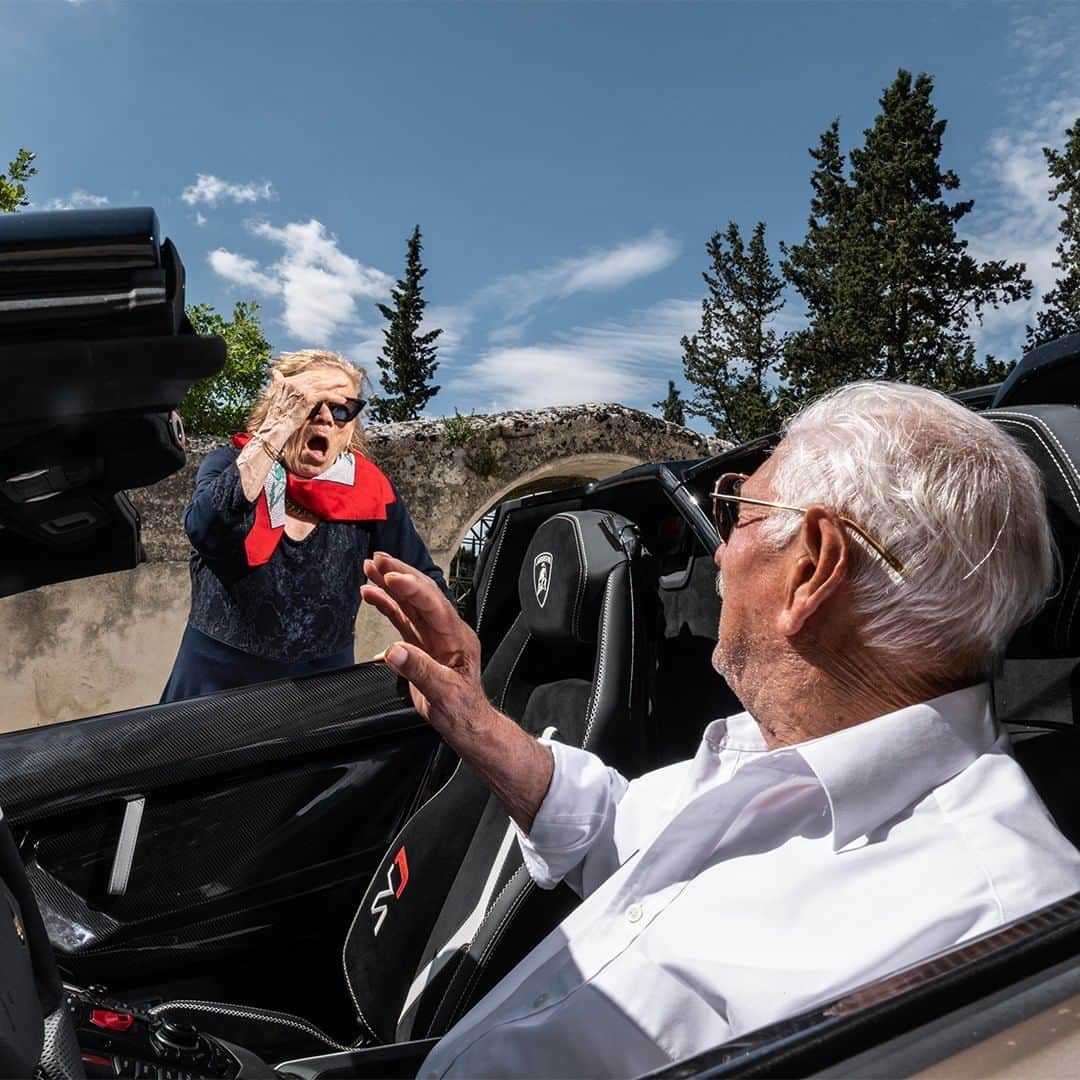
281 523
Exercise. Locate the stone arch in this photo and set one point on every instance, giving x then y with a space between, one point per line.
556 473
451 472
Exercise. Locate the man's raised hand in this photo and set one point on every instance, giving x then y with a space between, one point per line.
440 656
438 653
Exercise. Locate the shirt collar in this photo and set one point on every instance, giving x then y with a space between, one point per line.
873 770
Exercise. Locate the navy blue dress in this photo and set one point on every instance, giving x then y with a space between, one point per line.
295 614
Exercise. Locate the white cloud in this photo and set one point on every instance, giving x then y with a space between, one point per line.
365 349
77 200
627 362
510 333
455 322
1017 221
212 191
317 282
240 270
1013 218
516 294
200 218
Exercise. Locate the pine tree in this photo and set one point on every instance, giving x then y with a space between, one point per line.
890 288
1060 312
672 408
408 358
824 354
731 362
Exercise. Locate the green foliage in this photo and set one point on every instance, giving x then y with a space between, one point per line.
460 430
672 408
1060 312
889 287
480 456
732 360
13 182
408 362
220 404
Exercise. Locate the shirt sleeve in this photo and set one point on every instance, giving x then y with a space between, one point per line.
219 516
573 835
397 536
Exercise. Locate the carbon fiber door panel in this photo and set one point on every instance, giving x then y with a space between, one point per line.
265 812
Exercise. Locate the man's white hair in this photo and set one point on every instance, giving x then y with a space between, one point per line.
946 491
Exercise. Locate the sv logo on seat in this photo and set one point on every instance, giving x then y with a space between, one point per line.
391 892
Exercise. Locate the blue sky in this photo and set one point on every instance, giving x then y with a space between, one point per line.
565 161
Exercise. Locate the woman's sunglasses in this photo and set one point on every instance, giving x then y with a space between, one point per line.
343 412
727 498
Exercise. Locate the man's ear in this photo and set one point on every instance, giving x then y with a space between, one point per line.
819 567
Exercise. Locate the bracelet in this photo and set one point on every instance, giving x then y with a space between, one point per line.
271 453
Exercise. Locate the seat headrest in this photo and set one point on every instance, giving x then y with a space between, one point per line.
566 569
1044 375
1051 436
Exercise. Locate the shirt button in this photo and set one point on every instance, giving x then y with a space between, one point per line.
541 1000
634 913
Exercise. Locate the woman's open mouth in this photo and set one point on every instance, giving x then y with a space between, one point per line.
318 446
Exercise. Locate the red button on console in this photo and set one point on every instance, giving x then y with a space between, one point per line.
111 1021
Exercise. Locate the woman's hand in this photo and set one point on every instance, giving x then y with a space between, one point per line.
292 400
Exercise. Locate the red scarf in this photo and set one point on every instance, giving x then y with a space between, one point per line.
352 489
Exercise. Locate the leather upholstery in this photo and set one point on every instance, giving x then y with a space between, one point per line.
573 660
1051 436
1037 692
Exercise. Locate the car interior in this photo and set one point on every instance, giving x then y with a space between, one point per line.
300 872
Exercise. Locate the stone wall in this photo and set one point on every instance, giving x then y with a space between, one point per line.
105 643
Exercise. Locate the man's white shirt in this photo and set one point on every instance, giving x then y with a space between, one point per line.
746 885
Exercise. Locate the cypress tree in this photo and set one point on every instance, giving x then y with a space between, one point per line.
1060 312
672 408
731 362
408 359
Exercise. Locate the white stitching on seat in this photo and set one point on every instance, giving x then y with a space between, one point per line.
633 620
491 943
491 575
1073 482
601 662
483 923
363 901
485 956
517 659
1033 424
583 566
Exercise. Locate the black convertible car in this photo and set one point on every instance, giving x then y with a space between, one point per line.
299 872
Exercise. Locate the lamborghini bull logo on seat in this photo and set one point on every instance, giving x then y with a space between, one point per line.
391 892
542 576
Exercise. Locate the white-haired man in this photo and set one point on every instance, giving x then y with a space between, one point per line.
863 813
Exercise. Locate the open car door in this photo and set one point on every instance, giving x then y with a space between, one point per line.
225 839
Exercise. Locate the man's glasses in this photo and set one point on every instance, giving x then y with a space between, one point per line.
726 499
343 412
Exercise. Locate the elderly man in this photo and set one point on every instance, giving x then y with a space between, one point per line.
862 814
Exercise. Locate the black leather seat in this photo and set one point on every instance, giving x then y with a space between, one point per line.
1037 692
451 908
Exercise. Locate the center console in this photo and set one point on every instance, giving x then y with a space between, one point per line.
118 1040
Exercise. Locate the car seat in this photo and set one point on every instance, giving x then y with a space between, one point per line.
1037 692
